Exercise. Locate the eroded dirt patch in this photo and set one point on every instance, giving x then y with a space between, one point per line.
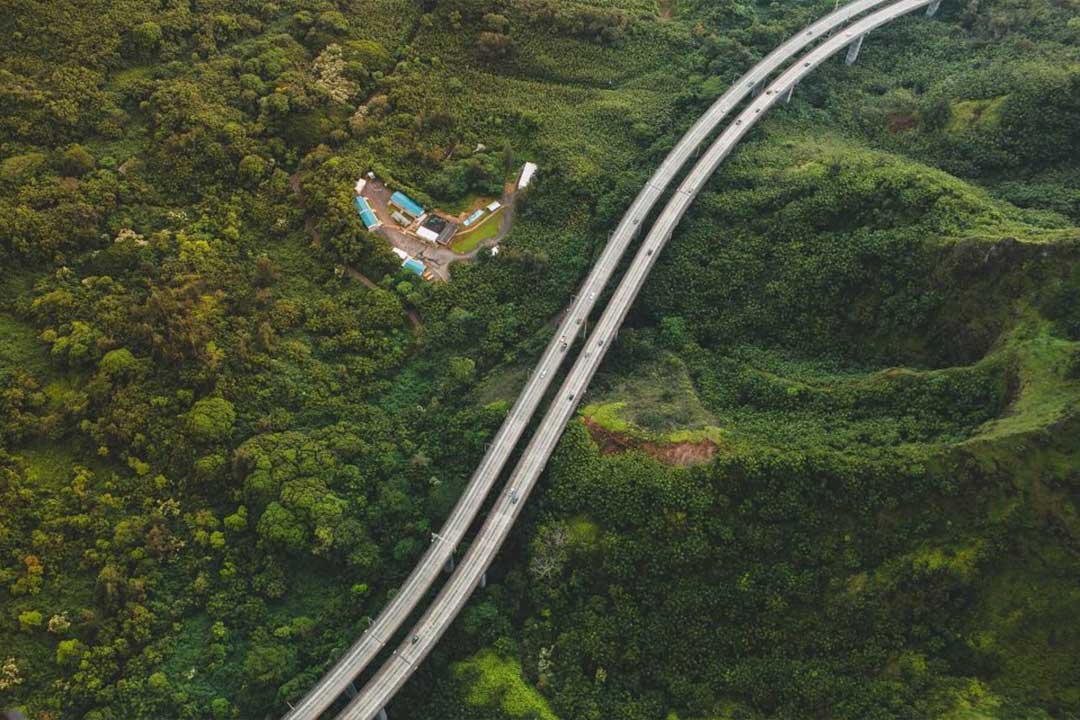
901 122
681 454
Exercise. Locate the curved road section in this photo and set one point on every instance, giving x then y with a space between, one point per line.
393 674
443 544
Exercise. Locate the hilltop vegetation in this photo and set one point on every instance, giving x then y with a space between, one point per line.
219 456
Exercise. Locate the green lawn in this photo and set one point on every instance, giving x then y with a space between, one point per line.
486 230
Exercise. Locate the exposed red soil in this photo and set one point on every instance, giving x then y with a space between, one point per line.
680 454
900 122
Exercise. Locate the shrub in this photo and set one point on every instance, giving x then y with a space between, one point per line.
211 420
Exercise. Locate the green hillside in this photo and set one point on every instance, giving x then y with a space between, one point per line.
830 468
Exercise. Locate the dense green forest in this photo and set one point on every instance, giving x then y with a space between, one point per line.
219 455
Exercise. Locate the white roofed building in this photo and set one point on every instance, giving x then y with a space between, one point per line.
527 173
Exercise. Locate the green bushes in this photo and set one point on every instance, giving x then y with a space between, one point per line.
1061 304
213 446
1041 116
830 250
211 420
494 687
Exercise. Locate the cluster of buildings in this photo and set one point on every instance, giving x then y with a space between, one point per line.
411 217
408 213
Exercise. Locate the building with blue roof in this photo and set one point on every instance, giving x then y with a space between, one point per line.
367 215
414 265
407 204
474 217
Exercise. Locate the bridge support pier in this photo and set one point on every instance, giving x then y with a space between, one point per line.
789 93
351 691
381 715
450 564
757 89
483 581
853 50
933 8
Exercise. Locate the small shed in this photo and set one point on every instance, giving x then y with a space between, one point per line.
360 185
400 253
429 235
400 219
406 204
473 218
494 206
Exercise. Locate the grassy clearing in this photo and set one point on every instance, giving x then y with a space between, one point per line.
14 285
305 271
656 402
608 416
489 228
1044 395
969 114
496 682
